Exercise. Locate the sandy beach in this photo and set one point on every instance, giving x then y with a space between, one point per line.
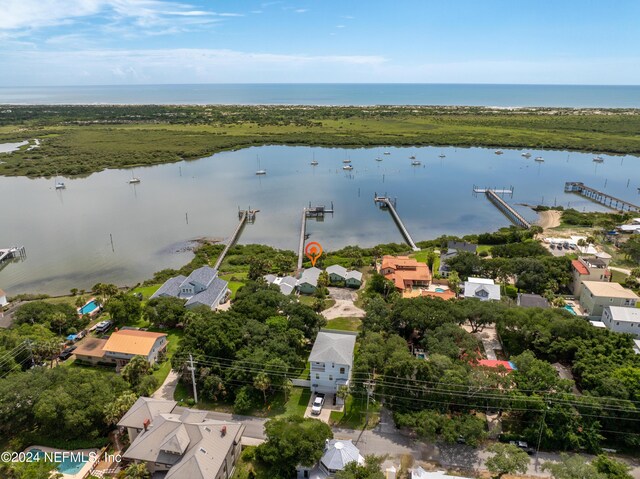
549 219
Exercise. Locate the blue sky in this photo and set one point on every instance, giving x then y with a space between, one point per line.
77 42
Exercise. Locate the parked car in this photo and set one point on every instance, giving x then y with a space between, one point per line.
552 246
524 446
67 352
318 402
103 326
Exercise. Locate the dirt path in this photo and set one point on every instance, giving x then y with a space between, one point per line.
549 219
344 307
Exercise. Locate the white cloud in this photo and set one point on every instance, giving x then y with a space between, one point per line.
301 10
340 26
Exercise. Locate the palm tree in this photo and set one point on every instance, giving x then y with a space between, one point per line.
262 383
136 471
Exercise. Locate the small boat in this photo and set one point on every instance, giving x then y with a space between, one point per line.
60 185
387 152
539 159
412 157
526 155
378 159
260 171
347 167
498 152
442 155
415 163
346 161
314 163
598 159
134 180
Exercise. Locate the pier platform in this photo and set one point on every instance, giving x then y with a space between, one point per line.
599 196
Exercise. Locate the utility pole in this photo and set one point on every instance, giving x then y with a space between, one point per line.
193 378
544 416
370 385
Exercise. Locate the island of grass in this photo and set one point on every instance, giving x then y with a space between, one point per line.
79 140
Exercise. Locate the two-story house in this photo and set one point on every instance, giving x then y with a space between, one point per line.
483 289
201 288
587 269
331 361
596 295
622 320
182 444
406 273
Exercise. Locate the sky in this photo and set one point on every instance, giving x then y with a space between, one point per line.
104 42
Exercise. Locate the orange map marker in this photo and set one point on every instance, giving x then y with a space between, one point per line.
313 251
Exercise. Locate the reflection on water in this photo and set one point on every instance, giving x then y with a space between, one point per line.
68 234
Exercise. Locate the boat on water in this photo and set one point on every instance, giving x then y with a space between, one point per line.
416 163
498 152
539 159
442 155
412 157
60 185
378 159
387 152
347 160
526 155
347 167
314 163
260 171
598 159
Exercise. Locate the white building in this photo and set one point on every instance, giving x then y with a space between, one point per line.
622 320
483 289
201 288
331 360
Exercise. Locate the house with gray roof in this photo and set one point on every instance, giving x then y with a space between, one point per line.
287 284
331 361
453 248
482 288
340 274
337 454
308 281
527 300
353 279
183 444
143 410
201 288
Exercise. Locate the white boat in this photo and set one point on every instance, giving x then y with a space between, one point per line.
387 153
526 155
347 167
378 159
260 171
416 163
346 161
134 180
60 185
498 152
314 162
598 159
539 159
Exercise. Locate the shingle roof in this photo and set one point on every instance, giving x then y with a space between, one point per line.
334 347
532 301
354 275
203 275
145 408
171 287
337 269
339 453
211 296
462 246
128 341
310 276
92 347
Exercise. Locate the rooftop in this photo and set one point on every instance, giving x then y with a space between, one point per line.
492 363
93 347
129 341
339 453
532 301
203 275
579 267
620 313
310 276
610 290
334 347
145 408
462 246
210 296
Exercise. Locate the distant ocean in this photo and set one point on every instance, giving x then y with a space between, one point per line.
576 96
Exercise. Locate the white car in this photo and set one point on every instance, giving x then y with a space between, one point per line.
318 402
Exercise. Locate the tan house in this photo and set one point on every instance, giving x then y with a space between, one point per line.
587 269
406 273
121 347
596 295
181 443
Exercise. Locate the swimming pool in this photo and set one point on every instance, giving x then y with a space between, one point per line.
69 465
569 308
440 290
89 308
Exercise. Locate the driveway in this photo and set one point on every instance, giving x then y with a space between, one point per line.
325 412
168 387
344 307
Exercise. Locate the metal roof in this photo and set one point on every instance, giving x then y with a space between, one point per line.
203 275
333 347
210 296
310 276
171 287
145 408
339 453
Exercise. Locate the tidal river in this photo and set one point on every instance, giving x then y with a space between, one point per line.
68 233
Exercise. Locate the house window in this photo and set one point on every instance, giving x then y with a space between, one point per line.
317 376
341 370
330 377
617 323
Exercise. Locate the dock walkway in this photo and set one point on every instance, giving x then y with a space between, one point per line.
246 216
12 252
385 202
515 217
599 196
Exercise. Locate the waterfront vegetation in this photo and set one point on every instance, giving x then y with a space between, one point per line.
79 140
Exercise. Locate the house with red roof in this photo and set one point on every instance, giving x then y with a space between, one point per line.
405 273
587 269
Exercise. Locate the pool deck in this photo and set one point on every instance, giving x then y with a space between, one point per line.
85 468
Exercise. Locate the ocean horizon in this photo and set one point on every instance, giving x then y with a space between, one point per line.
332 94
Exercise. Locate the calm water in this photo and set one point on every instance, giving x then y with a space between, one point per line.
67 233
581 96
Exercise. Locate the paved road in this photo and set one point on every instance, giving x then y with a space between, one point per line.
168 387
387 439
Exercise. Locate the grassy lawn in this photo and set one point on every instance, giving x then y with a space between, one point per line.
305 372
247 467
355 414
297 403
345 324
146 291
173 336
484 247
309 300
618 276
234 284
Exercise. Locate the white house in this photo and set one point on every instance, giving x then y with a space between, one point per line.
308 281
622 320
481 288
337 454
201 288
331 360
3 299
287 284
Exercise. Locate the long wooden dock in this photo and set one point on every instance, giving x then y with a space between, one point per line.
599 196
317 212
386 203
245 216
7 254
515 217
